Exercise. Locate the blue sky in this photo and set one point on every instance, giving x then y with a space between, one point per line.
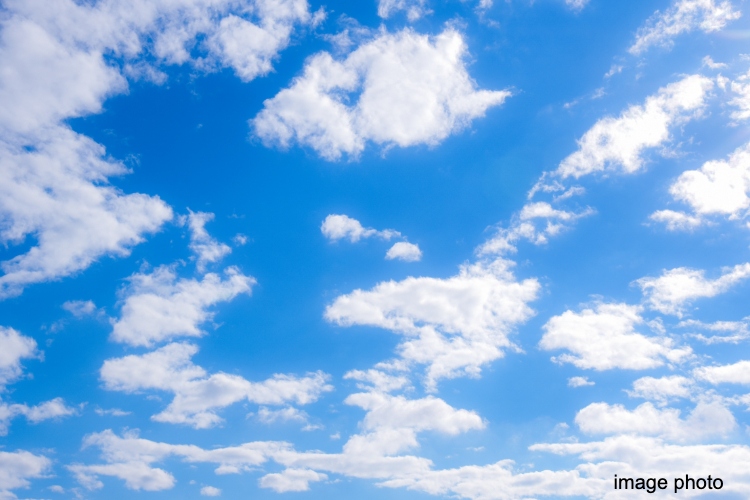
388 249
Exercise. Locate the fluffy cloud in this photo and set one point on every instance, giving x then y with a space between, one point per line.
706 419
614 144
338 227
682 17
62 62
676 288
576 4
158 306
453 325
291 480
80 308
661 389
718 188
403 250
737 373
404 89
741 89
536 222
205 247
16 468
210 491
579 382
605 338
638 456
727 331
414 8
13 348
198 395
55 188
54 408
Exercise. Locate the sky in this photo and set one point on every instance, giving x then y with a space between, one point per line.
401 249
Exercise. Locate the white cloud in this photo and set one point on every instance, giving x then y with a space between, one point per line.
158 306
605 338
57 191
676 288
718 188
711 64
617 144
576 4
338 227
683 16
579 382
203 244
210 491
414 8
741 87
288 414
729 331
114 412
737 373
453 325
638 456
405 89
661 389
676 221
16 468
64 61
13 348
80 308
291 480
377 380
198 395
706 419
403 250
54 408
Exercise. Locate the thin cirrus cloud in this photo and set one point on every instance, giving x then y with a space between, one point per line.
406 89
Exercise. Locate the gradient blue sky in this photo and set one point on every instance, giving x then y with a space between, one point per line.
384 249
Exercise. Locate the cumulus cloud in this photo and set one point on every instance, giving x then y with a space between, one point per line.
579 382
453 325
377 380
80 308
16 468
157 306
198 395
54 408
719 187
403 250
414 8
724 331
203 245
576 4
13 348
676 288
640 456
741 89
337 227
210 491
291 480
536 222
737 373
683 16
661 389
398 89
617 144
706 419
63 62
605 338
